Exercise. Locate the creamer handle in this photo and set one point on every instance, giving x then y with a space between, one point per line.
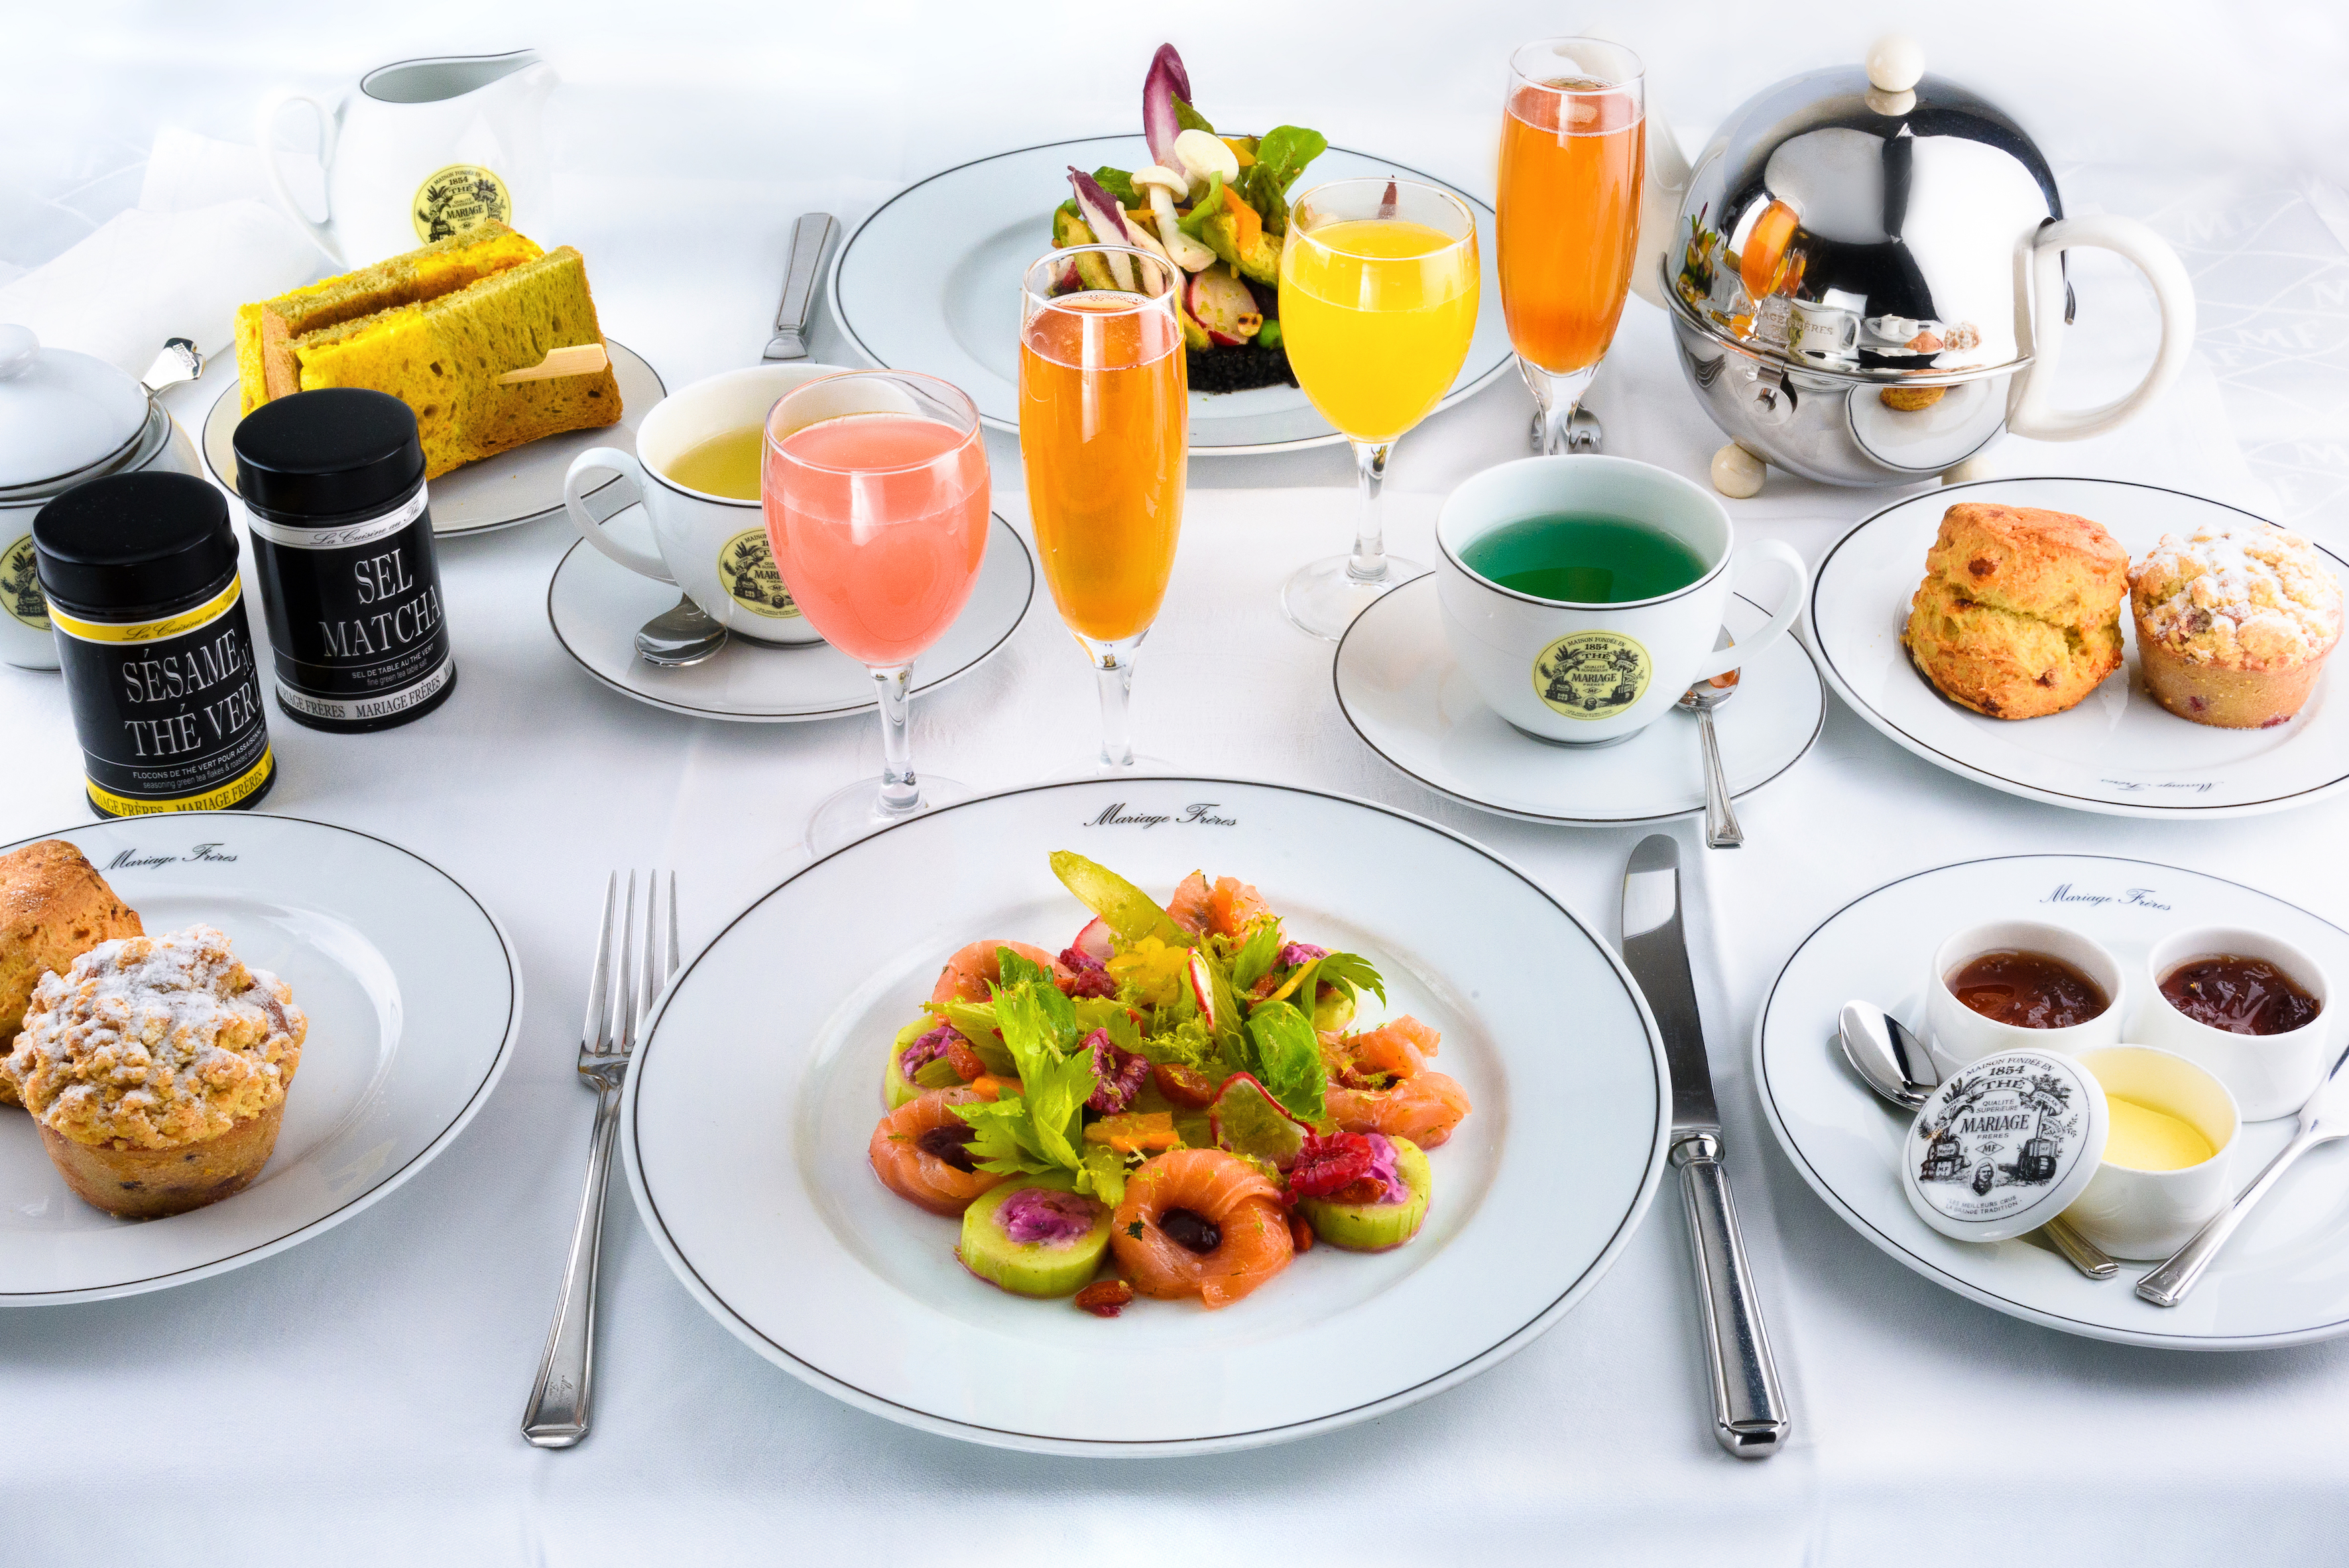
2031 410
264 131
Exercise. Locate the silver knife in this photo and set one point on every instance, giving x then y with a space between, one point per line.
810 235
1749 1412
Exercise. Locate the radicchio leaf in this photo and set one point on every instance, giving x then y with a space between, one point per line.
1166 81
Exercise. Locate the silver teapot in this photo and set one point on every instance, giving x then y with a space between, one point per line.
1864 271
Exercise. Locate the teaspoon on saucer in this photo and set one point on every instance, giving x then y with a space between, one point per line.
680 636
1894 1062
1721 829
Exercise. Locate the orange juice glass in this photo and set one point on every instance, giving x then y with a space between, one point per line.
1573 161
1104 428
875 487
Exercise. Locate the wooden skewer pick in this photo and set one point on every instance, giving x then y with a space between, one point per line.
584 359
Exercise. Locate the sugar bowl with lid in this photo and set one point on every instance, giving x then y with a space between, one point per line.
64 417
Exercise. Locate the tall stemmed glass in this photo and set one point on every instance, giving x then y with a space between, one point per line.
1574 146
1378 301
876 494
1104 424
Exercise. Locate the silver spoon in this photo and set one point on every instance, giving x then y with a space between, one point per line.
1721 829
1895 1064
678 636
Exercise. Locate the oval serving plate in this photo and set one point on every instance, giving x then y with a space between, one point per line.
414 997
930 281
2282 1280
2118 752
753 1094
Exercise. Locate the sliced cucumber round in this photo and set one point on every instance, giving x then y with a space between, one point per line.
1051 1267
896 1088
1374 1227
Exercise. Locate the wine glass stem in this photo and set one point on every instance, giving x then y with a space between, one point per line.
1369 562
901 793
1113 671
1558 394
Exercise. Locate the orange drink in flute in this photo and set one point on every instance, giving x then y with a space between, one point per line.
876 494
1104 428
1574 146
1378 303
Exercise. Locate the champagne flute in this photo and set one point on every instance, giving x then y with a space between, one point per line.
876 494
1378 301
1104 426
1574 145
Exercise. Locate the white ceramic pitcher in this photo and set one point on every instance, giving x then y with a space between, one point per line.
421 150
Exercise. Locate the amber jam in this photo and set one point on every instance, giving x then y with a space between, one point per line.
2028 990
2240 996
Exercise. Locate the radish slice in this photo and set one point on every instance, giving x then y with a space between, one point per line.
1167 81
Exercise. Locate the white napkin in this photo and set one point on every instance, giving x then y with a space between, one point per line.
205 238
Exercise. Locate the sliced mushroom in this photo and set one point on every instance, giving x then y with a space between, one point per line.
1204 154
1181 249
1159 174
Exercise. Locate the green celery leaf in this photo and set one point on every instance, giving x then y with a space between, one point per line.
1351 969
1288 1059
1107 1013
1104 1175
1257 955
1003 1139
1054 1085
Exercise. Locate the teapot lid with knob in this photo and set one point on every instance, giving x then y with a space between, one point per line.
61 413
1864 220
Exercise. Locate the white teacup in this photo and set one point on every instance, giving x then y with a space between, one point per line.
2135 1214
422 149
1584 675
2268 1075
714 547
1960 1035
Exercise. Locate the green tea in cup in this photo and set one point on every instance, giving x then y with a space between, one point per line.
1584 557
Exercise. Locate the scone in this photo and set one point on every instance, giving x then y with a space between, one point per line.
156 1069
53 907
2020 611
2233 623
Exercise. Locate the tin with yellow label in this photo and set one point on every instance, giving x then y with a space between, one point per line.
140 575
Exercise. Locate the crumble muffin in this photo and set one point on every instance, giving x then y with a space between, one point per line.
2233 623
2020 611
53 907
156 1069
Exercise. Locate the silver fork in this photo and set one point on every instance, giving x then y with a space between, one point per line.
619 996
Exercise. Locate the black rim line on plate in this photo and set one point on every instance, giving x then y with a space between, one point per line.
687 711
856 339
203 446
1817 724
1513 1339
381 1188
1965 769
1886 1243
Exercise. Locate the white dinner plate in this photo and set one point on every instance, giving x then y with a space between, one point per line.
2284 1277
414 999
595 605
518 486
1411 702
751 1099
931 282
2118 752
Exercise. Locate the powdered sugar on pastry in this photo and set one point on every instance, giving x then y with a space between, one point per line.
157 1041
2247 597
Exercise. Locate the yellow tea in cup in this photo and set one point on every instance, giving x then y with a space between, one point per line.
725 465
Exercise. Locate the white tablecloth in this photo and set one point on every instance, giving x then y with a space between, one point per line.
355 1400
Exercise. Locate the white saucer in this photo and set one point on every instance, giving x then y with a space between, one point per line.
2120 752
2284 1277
1410 701
596 607
503 491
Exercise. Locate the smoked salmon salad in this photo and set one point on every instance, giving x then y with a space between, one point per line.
1174 1106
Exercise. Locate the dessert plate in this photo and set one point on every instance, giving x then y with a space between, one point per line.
595 606
1400 687
414 996
502 492
931 282
2282 1280
2120 752
758 1086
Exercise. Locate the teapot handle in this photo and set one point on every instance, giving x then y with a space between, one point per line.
2030 410
265 128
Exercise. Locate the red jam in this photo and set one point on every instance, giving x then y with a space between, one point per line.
2240 996
2028 990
